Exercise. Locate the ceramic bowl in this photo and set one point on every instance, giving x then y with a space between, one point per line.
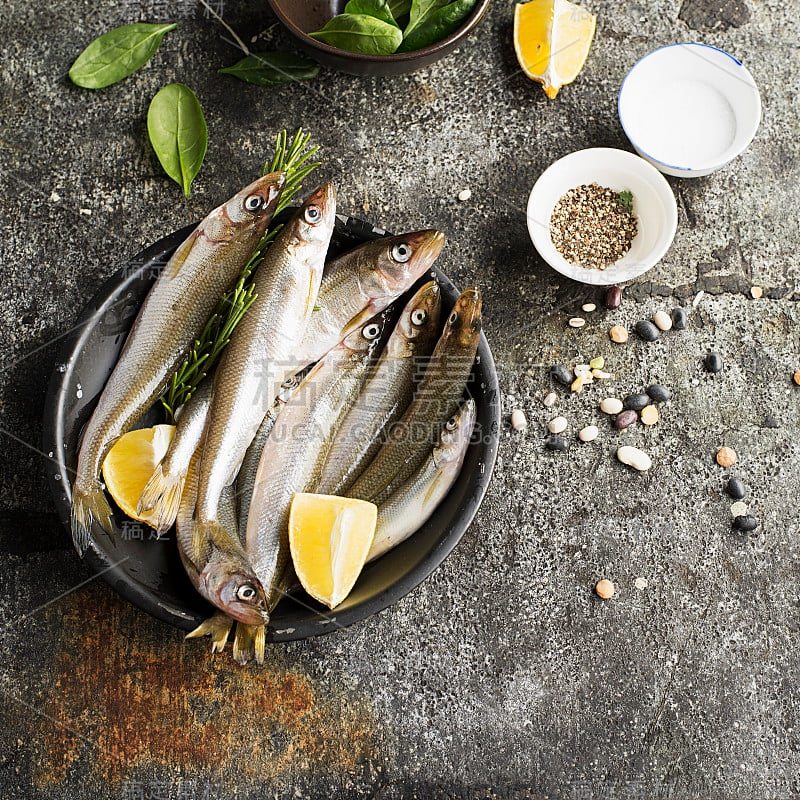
689 108
301 17
148 572
653 203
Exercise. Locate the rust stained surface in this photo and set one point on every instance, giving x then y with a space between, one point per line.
142 697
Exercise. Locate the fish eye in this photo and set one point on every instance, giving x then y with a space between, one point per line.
401 252
289 383
313 215
254 202
419 316
246 592
453 318
372 331
451 424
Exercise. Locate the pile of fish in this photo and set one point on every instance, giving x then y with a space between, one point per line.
323 387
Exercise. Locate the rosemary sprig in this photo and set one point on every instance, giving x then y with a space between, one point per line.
293 158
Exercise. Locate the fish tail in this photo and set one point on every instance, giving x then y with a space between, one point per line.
88 506
162 497
217 627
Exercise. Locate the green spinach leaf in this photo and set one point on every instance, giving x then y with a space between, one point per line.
399 8
433 20
116 54
271 69
372 8
360 33
177 130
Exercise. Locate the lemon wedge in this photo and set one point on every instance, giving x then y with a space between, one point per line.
330 538
130 463
552 40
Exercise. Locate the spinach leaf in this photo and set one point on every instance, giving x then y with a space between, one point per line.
270 69
399 8
433 20
360 33
372 8
177 130
116 54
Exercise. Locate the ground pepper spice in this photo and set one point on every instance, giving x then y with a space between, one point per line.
592 227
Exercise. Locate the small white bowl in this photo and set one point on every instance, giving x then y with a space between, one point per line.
653 204
689 108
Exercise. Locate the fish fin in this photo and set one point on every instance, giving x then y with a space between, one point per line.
88 506
244 643
162 495
259 639
217 627
175 263
357 321
205 531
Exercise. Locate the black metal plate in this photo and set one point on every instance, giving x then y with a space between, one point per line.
148 572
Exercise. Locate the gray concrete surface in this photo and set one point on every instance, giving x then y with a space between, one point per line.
502 675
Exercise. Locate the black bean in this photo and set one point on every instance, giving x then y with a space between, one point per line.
625 418
561 374
636 401
613 297
736 488
713 362
678 319
647 330
556 443
659 393
745 523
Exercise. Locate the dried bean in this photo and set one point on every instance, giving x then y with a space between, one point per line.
561 374
613 297
736 488
745 523
625 419
678 319
636 401
647 330
713 362
558 443
659 393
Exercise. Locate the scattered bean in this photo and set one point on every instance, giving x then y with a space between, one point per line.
625 419
634 457
659 393
561 374
618 334
589 433
605 589
713 362
558 443
518 420
600 375
650 415
796 377
726 456
464 195
736 488
678 319
636 401
550 399
662 320
611 405
577 322
745 523
756 292
597 363
739 509
577 384
582 370
588 307
613 297
647 330
557 425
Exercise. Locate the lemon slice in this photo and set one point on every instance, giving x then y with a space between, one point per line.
552 40
329 538
130 463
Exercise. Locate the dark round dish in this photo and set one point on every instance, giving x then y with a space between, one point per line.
148 572
301 17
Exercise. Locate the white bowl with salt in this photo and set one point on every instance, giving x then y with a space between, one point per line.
689 108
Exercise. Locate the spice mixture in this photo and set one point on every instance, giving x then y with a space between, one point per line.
592 226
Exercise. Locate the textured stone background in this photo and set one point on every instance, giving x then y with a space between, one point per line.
502 675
